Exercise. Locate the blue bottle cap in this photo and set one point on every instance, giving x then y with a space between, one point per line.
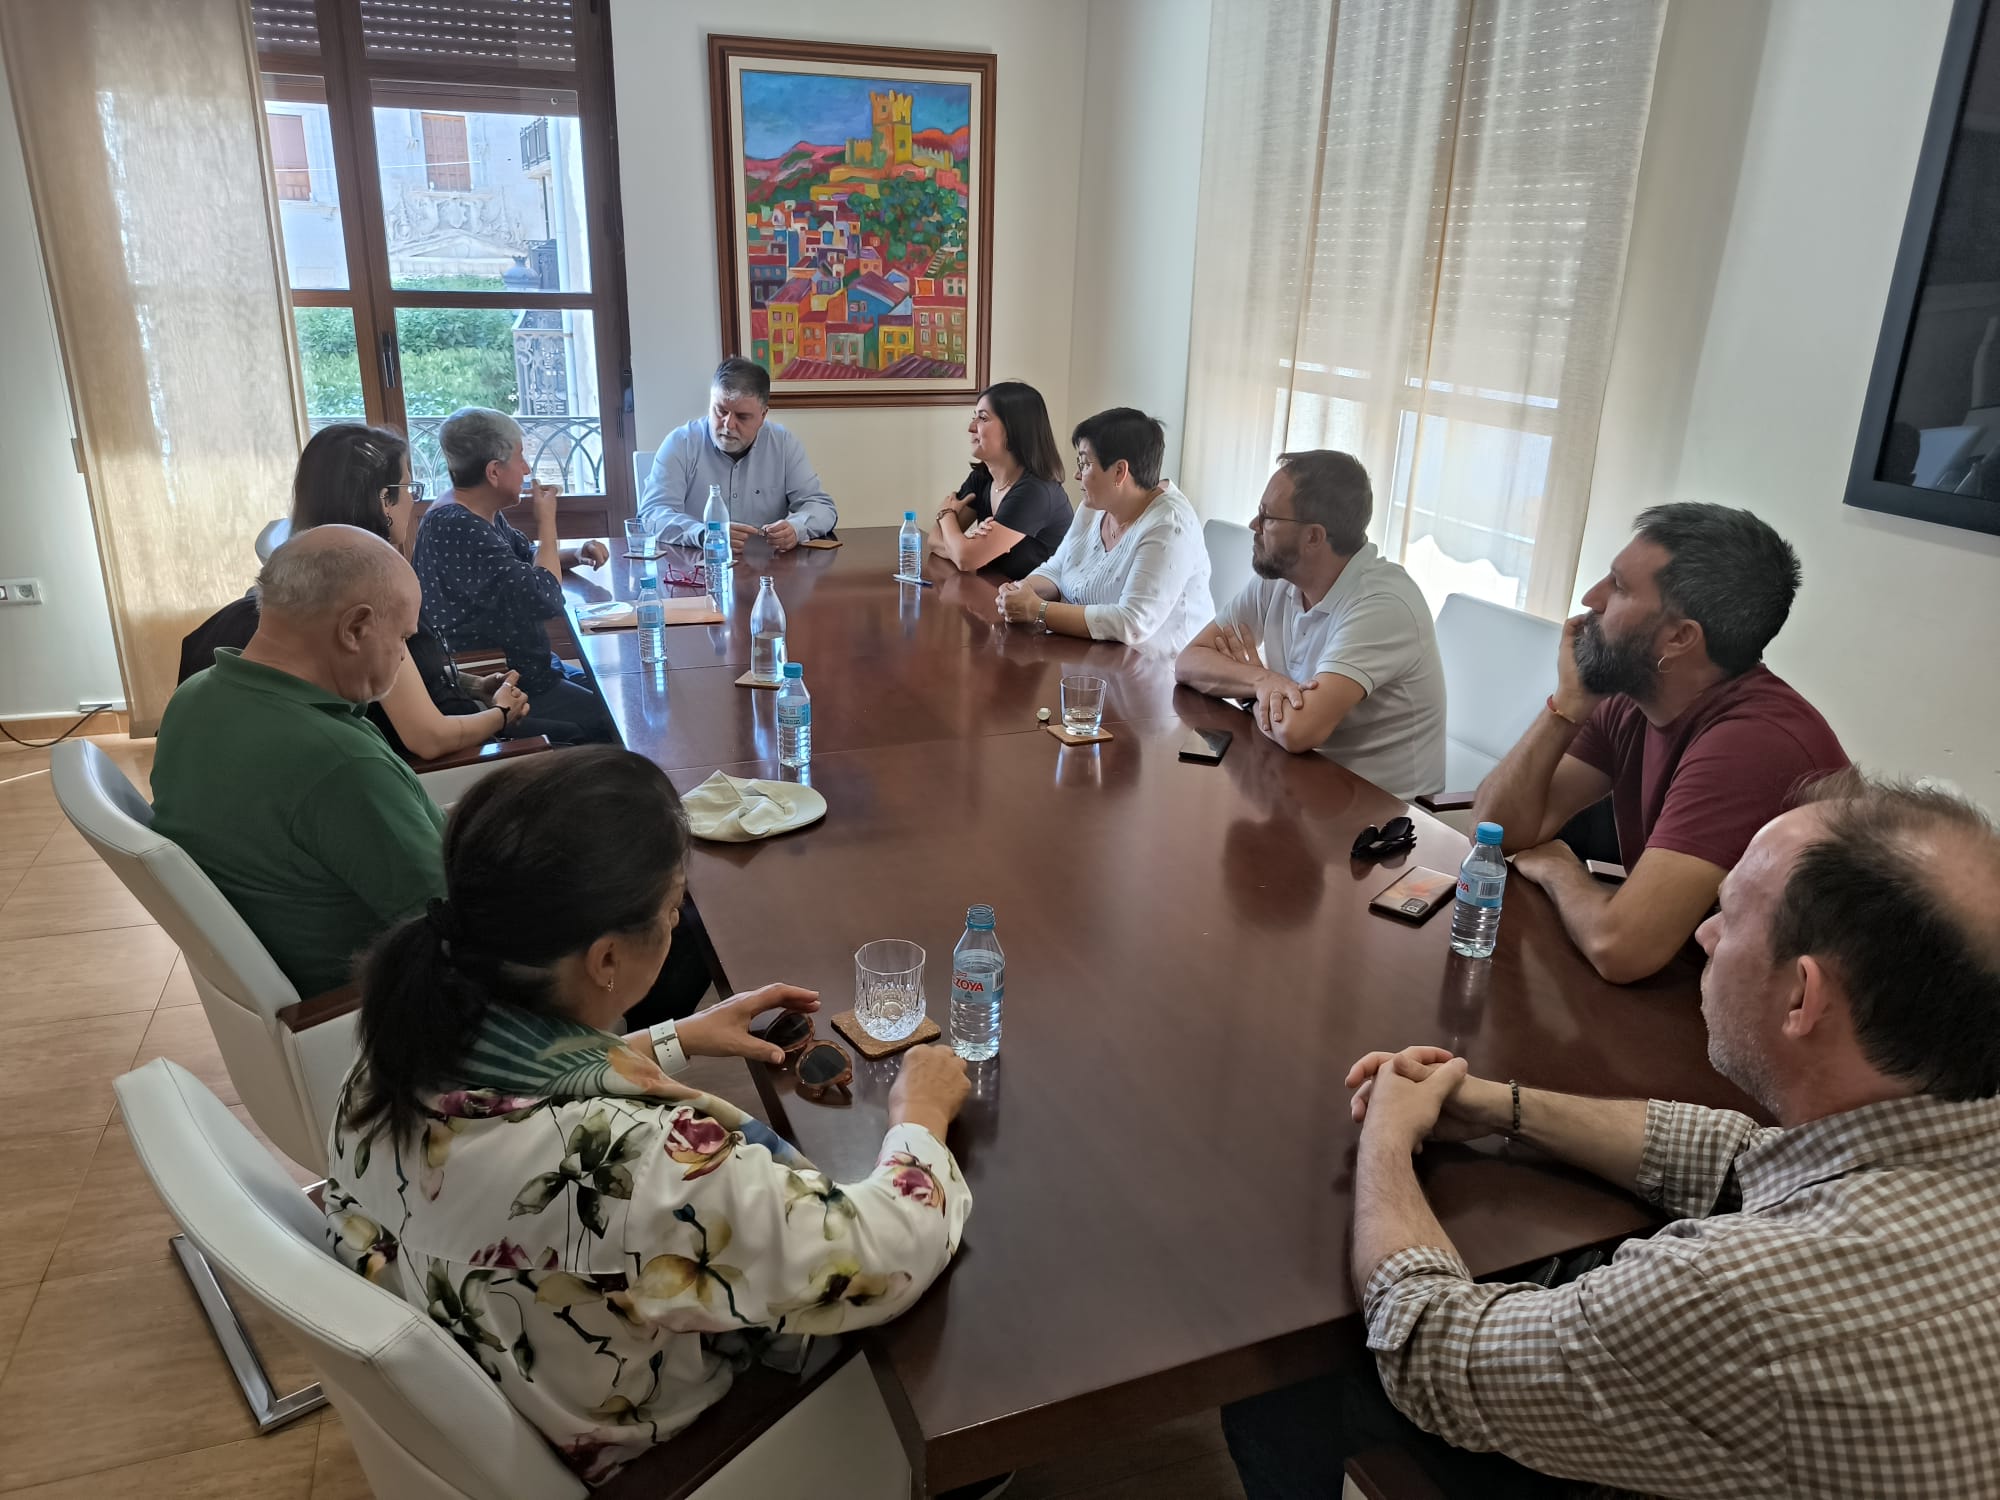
909 515
1488 833
795 669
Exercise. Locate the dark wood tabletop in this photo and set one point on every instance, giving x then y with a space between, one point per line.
1161 1157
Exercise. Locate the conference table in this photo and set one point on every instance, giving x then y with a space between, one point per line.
1161 1156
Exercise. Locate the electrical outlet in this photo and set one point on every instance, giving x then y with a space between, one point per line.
20 591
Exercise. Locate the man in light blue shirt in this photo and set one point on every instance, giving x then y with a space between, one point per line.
761 468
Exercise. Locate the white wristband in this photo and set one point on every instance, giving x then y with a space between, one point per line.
667 1049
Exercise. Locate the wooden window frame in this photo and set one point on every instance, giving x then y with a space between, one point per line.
350 80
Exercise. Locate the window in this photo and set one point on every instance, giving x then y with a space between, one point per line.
445 174
288 155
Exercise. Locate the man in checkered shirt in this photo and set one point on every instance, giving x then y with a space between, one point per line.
1823 1316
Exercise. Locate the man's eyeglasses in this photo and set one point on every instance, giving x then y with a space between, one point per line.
415 487
1264 518
1392 837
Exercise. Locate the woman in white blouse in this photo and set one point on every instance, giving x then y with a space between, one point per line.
1132 567
597 1236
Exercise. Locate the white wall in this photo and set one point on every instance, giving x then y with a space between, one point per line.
54 655
1142 119
876 462
1897 628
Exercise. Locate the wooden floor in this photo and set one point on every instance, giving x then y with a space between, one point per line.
109 1380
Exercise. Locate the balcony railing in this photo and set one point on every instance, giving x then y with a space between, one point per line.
573 446
535 144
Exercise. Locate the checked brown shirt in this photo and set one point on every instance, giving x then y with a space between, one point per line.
1822 1319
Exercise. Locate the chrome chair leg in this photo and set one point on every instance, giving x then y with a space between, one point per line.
269 1409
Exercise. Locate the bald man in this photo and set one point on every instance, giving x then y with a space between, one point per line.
270 776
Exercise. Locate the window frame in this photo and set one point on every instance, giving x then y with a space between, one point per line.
349 79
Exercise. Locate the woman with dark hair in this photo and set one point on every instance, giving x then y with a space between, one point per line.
353 475
583 1225
1011 512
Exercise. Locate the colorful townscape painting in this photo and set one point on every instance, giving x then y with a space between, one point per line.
853 209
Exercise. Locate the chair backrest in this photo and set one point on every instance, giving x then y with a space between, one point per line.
1228 559
242 989
642 470
274 535
426 1421
1499 669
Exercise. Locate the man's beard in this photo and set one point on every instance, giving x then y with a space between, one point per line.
1605 666
1272 564
732 444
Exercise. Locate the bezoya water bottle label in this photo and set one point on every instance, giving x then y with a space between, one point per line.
795 715
1484 891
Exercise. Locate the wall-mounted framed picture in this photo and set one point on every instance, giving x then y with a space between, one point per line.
1929 444
854 218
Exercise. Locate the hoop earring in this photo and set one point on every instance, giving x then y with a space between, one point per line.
1660 666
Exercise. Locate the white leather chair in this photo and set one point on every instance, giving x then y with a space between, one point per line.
642 469
425 1421
1499 669
1228 560
274 535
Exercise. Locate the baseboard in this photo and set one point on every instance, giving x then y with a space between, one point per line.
48 726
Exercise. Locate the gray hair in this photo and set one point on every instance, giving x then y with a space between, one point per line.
473 437
331 568
737 377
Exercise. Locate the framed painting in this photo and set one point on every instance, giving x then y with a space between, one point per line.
854 218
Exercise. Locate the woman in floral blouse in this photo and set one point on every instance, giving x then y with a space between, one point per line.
603 1240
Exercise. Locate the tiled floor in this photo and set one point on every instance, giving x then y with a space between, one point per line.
109 1379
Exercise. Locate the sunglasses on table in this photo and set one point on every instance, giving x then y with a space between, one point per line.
1393 837
820 1066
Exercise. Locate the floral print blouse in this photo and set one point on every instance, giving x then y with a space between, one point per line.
591 1232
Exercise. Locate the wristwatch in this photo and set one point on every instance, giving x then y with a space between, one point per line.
1042 615
667 1049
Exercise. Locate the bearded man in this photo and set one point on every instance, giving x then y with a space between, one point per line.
1663 704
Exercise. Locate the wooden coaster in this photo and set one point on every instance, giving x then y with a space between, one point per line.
1077 739
746 680
849 1026
822 543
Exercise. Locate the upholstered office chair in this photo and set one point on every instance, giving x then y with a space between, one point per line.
1499 669
427 1423
274 535
642 469
1228 559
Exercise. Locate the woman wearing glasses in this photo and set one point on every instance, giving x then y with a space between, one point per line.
353 475
1132 567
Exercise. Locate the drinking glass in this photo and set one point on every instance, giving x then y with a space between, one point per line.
640 538
1082 704
889 988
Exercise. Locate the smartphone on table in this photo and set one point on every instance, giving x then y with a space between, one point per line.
1205 745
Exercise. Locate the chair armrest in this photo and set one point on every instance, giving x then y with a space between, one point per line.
1390 1474
478 755
1439 802
306 1014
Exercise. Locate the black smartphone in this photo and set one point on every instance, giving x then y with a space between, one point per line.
1205 745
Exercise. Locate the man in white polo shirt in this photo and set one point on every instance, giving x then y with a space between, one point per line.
1331 642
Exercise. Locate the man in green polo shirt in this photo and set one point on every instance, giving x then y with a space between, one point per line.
268 773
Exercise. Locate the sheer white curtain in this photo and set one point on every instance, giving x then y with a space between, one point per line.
1410 243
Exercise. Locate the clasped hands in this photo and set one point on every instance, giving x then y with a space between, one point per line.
1402 1099
1275 695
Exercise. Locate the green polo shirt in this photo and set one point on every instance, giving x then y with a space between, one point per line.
295 806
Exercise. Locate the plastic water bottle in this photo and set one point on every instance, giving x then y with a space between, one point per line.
715 555
978 985
1482 881
716 512
795 718
652 623
910 548
767 634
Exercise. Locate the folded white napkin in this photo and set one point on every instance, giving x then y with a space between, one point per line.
731 809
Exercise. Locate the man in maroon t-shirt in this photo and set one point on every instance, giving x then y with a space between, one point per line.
1662 703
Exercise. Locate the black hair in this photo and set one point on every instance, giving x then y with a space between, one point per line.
1921 970
529 879
1330 489
341 476
1728 572
1124 433
1031 438
737 376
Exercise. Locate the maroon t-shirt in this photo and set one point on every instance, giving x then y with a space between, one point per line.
1704 784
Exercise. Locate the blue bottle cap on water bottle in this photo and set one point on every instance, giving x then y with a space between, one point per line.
909 515
1488 833
795 669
